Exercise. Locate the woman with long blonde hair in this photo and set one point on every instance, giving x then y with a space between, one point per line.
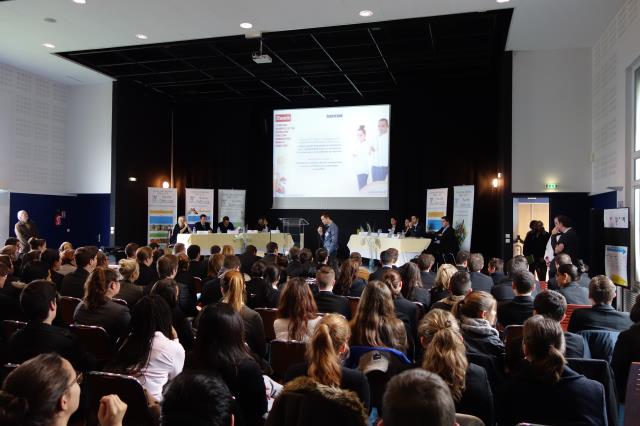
228 250
325 352
233 294
445 355
440 289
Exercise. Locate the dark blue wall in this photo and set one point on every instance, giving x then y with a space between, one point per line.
86 221
607 200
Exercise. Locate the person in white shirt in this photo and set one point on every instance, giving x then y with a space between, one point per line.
151 352
380 151
362 158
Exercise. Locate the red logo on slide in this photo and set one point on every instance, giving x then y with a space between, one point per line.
283 117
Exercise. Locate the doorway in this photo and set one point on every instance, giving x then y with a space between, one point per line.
526 209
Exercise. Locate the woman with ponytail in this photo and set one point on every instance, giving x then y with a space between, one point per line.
477 316
445 355
325 352
569 397
45 391
98 309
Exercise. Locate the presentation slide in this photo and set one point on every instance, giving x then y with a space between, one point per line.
331 158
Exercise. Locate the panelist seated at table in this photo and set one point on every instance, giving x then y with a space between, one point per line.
203 225
263 225
225 225
444 240
394 227
180 228
416 229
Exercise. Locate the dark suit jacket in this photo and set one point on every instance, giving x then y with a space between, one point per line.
111 316
270 258
477 399
599 317
428 279
626 351
575 294
73 283
41 338
421 295
503 290
417 231
197 268
481 282
129 292
377 274
148 275
246 262
408 312
211 292
257 291
574 348
552 284
330 303
294 269
199 227
223 229
573 400
448 241
515 311
498 277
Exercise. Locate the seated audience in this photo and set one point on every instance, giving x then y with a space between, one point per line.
386 262
66 245
271 278
147 275
567 278
214 266
479 281
102 259
477 315
197 268
256 286
294 267
45 390
583 272
325 351
440 289
348 282
9 304
375 323
626 351
558 260
228 250
272 252
211 292
459 287
151 352
130 250
248 258
297 312
462 260
495 268
412 285
517 310
601 316
569 398
308 267
425 262
215 249
38 301
67 262
233 290
179 248
168 267
197 399
51 258
98 309
220 350
418 398
36 246
326 301
405 310
169 290
36 270
73 282
504 289
129 292
445 355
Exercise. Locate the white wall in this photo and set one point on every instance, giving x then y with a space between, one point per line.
551 120
88 144
616 50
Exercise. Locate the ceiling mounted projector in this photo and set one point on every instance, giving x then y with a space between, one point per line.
260 57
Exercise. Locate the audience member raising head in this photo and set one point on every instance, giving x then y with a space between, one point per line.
440 288
297 312
477 315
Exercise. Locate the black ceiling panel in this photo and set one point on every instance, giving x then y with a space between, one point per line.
332 63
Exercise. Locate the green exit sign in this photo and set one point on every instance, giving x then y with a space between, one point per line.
551 186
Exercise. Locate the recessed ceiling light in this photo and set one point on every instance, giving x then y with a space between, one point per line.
142 36
246 25
503 1
80 1
366 13
49 45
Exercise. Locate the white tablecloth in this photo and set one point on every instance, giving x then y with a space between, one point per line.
370 247
238 241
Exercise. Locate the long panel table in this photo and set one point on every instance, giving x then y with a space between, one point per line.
370 246
238 241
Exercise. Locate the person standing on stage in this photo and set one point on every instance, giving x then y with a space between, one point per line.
25 229
328 236
203 225
380 151
225 225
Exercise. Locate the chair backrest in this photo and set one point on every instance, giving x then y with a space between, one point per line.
598 370
420 311
127 388
268 315
600 343
96 341
353 305
632 399
10 326
197 284
570 308
512 332
67 307
120 301
284 354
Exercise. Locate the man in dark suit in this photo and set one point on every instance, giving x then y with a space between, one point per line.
504 289
203 225
626 351
601 316
560 259
272 253
39 303
211 289
479 281
294 267
325 299
567 242
197 268
225 225
517 310
444 241
416 230
73 282
495 267
567 278
386 260
462 260
425 262
248 258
